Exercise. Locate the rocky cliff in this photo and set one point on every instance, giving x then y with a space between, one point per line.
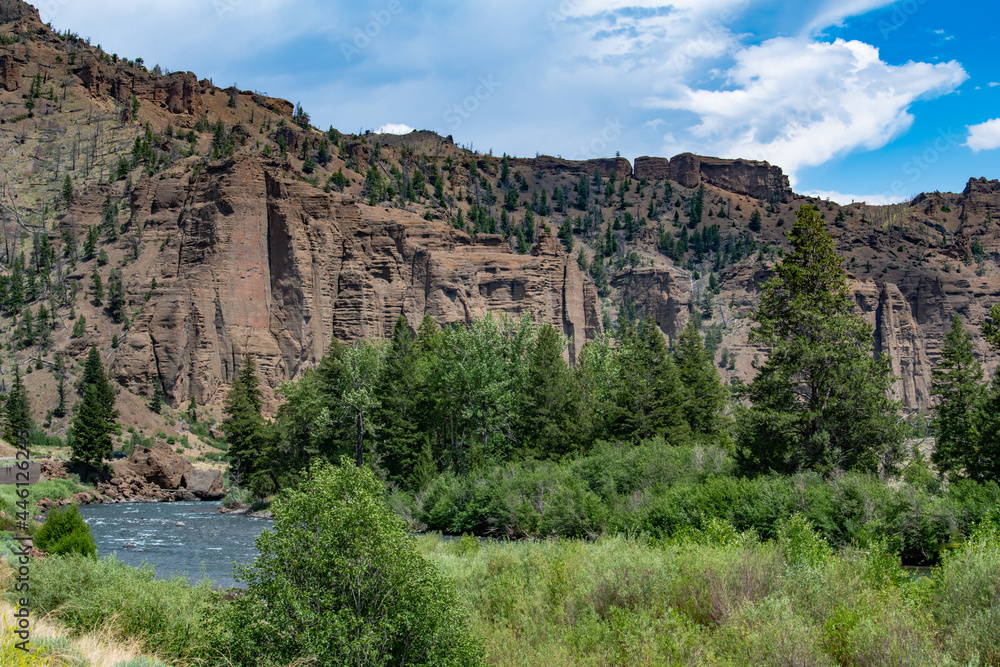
253 262
238 228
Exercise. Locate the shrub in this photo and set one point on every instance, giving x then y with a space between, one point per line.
65 532
87 594
62 651
11 656
340 563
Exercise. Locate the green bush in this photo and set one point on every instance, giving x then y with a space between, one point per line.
65 532
343 566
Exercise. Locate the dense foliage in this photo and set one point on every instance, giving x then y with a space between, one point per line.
339 581
821 400
65 532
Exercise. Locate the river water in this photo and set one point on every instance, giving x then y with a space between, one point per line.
207 545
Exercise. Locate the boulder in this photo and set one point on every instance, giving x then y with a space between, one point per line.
160 466
204 484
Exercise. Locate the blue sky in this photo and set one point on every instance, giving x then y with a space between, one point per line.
855 99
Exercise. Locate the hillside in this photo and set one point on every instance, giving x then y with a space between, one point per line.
234 227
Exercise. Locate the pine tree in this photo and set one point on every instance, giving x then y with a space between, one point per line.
955 381
67 191
17 413
96 288
401 442
705 397
60 410
116 296
254 459
95 417
821 400
549 411
156 401
79 327
649 397
755 221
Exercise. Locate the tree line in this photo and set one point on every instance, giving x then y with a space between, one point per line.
461 398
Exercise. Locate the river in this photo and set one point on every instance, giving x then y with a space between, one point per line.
206 545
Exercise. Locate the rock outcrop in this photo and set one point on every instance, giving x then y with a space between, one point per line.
744 177
254 263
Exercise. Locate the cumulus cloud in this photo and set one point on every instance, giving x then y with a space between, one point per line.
394 128
799 103
985 136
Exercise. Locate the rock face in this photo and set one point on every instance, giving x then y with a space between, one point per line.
663 293
744 177
652 168
620 167
256 264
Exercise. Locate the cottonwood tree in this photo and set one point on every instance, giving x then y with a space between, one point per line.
821 400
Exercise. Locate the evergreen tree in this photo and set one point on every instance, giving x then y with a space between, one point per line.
60 410
67 191
400 438
649 397
116 296
696 207
705 397
96 288
253 458
17 413
95 417
90 242
755 221
821 400
156 401
955 381
79 327
549 411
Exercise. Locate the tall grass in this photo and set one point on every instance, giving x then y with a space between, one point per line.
717 596
86 595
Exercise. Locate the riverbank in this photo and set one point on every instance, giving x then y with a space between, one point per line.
710 597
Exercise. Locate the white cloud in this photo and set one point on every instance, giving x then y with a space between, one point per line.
985 136
993 84
799 103
877 199
834 13
394 128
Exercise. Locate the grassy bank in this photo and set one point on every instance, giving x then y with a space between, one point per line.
719 597
713 596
